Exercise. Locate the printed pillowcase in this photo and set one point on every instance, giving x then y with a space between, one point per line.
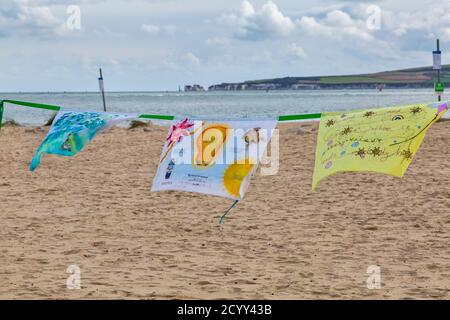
71 131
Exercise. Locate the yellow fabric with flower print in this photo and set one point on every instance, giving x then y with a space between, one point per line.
379 140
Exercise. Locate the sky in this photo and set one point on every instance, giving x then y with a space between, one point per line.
151 45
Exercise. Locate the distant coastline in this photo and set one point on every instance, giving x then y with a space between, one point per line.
414 78
6 95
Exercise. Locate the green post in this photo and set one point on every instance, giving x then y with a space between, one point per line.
1 113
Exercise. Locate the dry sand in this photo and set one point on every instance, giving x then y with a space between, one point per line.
282 242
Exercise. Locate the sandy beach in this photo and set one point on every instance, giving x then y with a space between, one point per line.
283 241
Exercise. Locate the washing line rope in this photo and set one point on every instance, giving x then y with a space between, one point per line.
145 116
282 118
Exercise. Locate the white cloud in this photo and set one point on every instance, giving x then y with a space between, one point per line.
170 29
312 27
218 41
263 57
297 51
193 59
38 17
150 28
445 32
300 38
413 23
339 18
247 9
337 24
156 29
24 17
252 24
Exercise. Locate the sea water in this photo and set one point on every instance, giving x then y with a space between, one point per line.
226 104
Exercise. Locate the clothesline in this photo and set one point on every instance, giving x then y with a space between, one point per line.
383 140
143 116
282 118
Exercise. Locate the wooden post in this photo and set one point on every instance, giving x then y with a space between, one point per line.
102 89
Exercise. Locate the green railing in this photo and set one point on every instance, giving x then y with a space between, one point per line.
142 116
284 118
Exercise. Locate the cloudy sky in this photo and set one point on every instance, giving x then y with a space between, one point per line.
160 44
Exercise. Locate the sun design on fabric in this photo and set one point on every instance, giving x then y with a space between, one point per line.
398 117
209 144
234 175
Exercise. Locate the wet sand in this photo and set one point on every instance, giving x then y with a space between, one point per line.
282 242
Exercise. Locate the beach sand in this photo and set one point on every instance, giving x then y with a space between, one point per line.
283 241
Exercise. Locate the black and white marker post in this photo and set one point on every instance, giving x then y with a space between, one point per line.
438 86
102 89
